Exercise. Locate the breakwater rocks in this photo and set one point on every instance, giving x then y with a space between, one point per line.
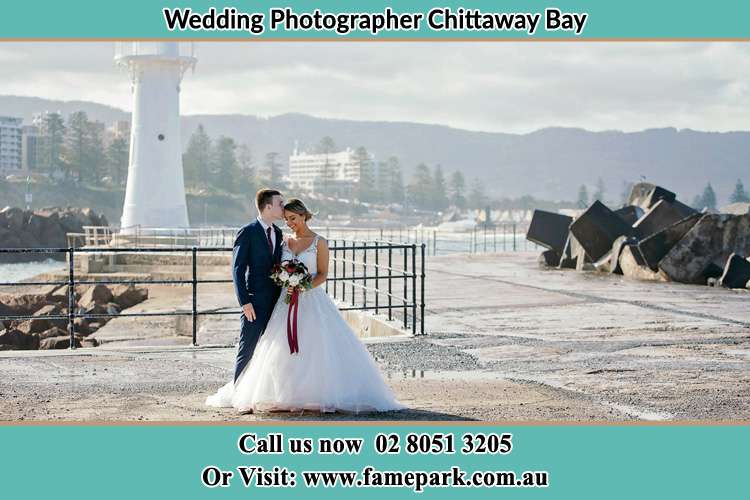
48 327
654 237
44 228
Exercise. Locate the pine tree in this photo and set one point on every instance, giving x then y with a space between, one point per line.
366 186
272 171
326 146
117 160
477 196
397 192
77 140
739 195
600 189
439 190
457 190
421 188
583 197
95 157
247 181
52 144
224 166
709 197
197 159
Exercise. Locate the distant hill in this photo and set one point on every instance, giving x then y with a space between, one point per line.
550 163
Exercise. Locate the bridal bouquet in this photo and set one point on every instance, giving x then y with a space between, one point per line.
294 274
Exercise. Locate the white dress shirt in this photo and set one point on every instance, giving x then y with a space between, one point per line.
265 230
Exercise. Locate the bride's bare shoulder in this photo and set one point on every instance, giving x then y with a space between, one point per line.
321 243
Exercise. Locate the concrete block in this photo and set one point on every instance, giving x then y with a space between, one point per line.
610 262
655 247
630 214
713 239
659 217
634 267
549 258
549 230
736 272
597 228
645 195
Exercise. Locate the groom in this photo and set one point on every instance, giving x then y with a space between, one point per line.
256 249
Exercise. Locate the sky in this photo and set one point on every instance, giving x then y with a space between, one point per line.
497 87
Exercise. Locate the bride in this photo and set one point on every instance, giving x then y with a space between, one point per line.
332 369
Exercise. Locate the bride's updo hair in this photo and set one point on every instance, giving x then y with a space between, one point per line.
298 207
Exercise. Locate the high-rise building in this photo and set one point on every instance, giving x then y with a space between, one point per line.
10 145
312 171
30 148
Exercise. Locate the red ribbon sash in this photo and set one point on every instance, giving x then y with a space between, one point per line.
291 323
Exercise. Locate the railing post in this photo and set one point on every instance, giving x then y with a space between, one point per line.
390 281
494 239
414 289
195 297
335 269
354 269
343 270
377 275
364 274
485 237
434 242
421 295
505 235
71 297
514 236
406 283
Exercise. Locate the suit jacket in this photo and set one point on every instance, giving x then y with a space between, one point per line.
252 262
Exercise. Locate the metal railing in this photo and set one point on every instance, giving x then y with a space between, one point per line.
503 237
409 305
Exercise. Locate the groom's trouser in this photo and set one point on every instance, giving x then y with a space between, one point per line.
250 332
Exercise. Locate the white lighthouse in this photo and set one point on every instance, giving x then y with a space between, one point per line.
155 193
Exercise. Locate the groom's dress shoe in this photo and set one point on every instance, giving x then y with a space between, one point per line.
246 411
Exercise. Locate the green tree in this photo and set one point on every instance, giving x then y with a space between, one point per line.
739 195
96 158
366 186
52 144
477 195
421 187
272 171
457 189
117 160
326 147
196 160
224 167
397 192
77 142
707 199
247 182
583 197
439 190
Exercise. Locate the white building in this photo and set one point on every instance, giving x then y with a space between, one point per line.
311 171
30 149
10 145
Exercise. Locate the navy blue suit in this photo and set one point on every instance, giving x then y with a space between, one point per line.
252 261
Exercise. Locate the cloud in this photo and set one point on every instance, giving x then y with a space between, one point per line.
508 87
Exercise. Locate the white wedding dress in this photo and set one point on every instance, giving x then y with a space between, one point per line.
332 370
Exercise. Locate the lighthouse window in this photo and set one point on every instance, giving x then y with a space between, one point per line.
160 137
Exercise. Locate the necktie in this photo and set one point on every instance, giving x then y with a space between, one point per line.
270 244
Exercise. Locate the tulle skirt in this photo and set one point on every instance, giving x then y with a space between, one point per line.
332 370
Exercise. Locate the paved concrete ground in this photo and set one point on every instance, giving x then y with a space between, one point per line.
507 340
